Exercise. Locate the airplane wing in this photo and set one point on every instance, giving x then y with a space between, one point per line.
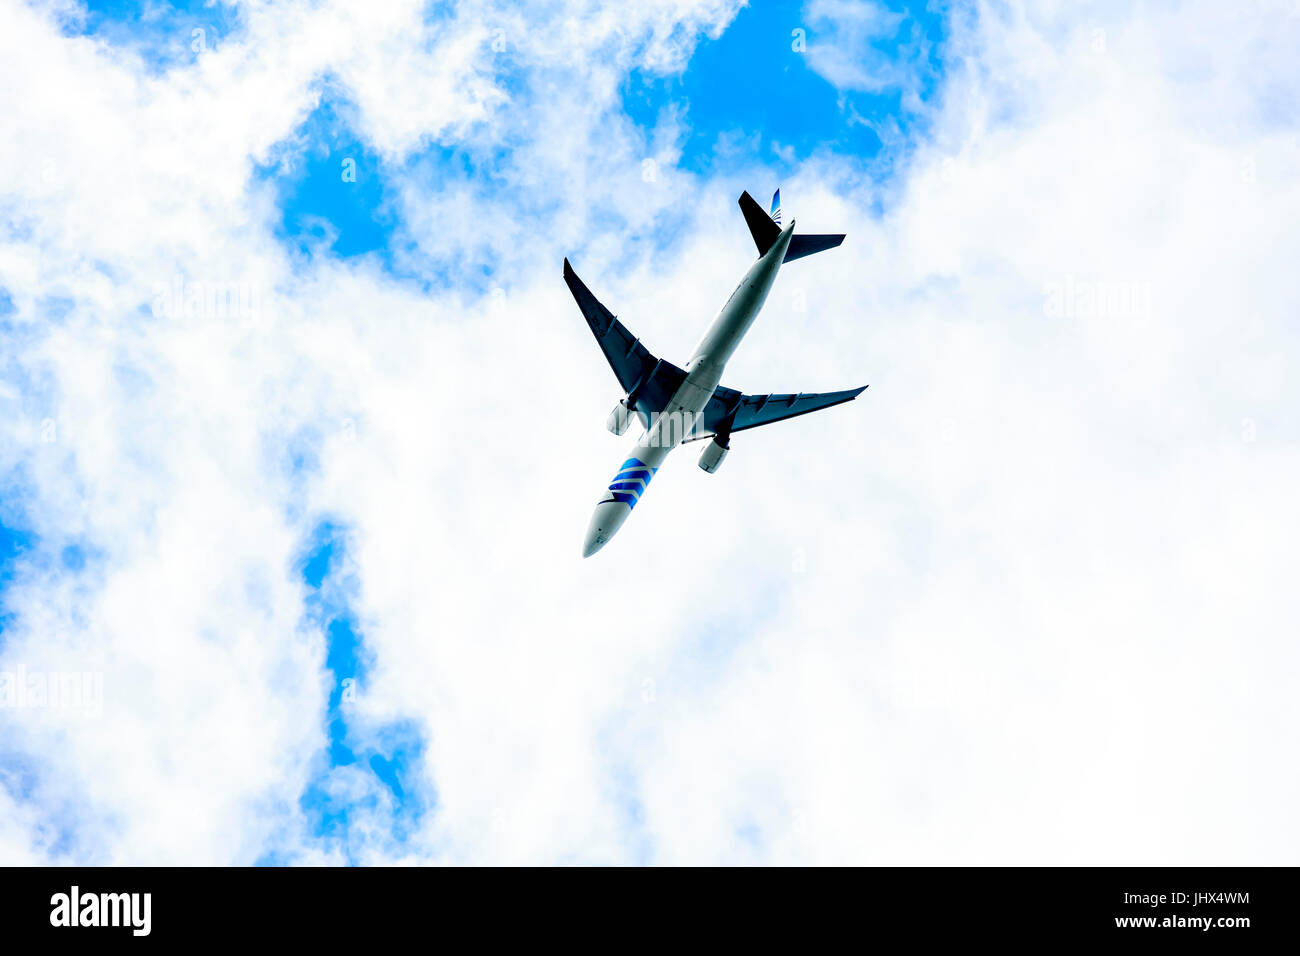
730 411
649 381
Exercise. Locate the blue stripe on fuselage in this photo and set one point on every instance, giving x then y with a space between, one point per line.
631 481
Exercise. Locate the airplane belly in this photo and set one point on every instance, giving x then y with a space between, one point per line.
695 392
667 431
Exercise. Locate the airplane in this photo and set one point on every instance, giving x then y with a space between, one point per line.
677 405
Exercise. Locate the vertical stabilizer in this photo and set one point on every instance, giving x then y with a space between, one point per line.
761 226
765 227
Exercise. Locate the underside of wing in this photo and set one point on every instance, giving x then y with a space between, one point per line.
648 381
730 411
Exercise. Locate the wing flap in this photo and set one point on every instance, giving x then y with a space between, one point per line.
758 410
648 380
730 411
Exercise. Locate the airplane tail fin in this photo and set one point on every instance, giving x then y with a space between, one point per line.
765 227
761 226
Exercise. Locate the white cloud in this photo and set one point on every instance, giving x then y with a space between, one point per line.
848 45
1024 602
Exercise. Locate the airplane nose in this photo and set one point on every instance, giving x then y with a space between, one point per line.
605 520
598 532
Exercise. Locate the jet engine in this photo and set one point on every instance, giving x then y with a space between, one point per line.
619 418
711 457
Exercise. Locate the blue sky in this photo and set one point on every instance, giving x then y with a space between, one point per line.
330 187
162 33
391 753
751 83
748 85
335 199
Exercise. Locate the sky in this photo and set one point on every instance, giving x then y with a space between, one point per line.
301 430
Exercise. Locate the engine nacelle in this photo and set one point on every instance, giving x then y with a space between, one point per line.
619 418
711 457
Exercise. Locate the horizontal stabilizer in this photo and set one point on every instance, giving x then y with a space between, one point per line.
801 246
761 226
766 228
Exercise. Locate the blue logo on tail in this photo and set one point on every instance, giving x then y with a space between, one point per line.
631 481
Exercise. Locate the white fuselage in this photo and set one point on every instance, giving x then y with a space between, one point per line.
703 373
